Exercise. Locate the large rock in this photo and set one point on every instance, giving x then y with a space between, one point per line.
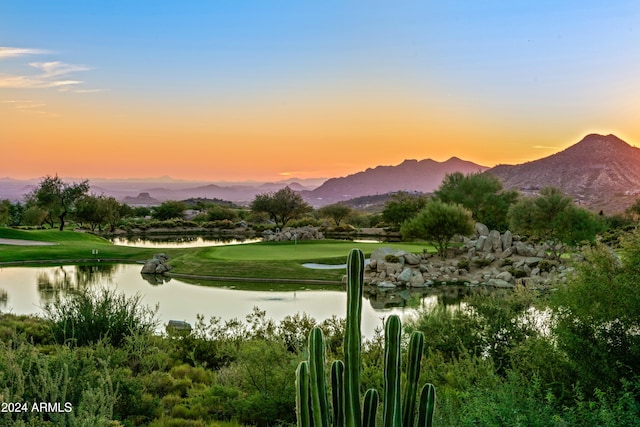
494 238
379 254
480 243
150 266
406 275
507 240
481 229
156 265
411 259
499 283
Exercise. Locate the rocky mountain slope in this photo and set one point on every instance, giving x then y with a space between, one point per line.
600 172
411 175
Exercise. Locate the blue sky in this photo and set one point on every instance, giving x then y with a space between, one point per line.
492 82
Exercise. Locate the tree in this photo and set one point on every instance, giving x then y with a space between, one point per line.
597 316
552 216
281 206
438 222
57 198
97 211
87 211
337 212
482 194
5 211
634 209
402 207
16 210
169 210
219 213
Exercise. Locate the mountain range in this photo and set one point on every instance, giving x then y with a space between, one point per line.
422 176
599 172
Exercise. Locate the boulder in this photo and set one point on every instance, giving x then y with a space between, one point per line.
496 242
385 284
379 254
507 240
150 266
480 243
411 259
506 276
406 275
499 283
481 229
417 281
532 261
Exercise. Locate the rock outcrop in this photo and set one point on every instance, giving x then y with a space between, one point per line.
156 265
291 234
501 260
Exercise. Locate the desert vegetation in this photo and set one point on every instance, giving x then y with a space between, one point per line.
566 357
569 358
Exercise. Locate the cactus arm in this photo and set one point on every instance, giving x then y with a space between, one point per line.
353 338
319 401
416 345
427 406
303 408
337 392
392 411
370 409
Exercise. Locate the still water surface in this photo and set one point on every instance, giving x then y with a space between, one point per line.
29 288
183 241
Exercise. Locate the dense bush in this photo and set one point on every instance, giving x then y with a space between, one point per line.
88 316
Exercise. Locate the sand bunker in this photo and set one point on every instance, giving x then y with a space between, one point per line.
19 242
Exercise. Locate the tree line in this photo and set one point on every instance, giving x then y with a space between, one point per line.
459 202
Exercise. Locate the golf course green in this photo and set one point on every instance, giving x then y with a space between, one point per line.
267 260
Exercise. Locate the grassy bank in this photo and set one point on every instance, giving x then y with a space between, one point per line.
70 245
269 260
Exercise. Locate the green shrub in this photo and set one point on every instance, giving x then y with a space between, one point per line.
482 262
391 258
88 316
517 273
547 265
463 264
505 262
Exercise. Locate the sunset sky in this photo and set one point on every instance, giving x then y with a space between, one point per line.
266 90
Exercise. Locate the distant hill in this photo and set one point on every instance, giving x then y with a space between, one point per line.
142 199
422 176
600 172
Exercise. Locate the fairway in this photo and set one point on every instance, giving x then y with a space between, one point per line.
303 251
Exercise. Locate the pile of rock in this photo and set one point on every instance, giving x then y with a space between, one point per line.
290 234
491 258
156 265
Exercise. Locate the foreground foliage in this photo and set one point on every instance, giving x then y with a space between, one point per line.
519 359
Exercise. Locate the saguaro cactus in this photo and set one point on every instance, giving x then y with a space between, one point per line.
312 405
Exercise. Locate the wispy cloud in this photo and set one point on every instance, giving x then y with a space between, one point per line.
51 74
11 52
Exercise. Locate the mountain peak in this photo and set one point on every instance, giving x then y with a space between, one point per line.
602 172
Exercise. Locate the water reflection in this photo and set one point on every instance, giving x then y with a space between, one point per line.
30 288
4 298
57 281
164 241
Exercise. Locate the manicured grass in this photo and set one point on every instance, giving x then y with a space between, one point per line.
71 246
276 259
270 260
305 251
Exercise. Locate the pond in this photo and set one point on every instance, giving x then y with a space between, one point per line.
28 289
182 241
